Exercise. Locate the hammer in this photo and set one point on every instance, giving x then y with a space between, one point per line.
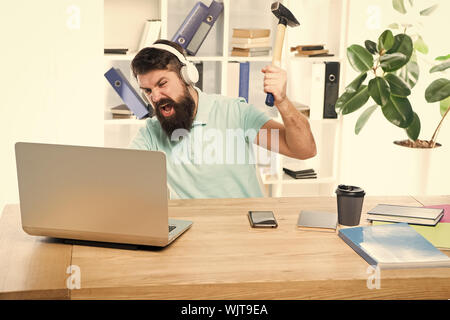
286 18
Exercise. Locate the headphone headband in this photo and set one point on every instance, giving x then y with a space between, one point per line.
188 71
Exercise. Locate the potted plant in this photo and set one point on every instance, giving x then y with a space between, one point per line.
388 70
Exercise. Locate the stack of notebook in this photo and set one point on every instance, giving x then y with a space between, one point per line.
301 174
311 50
438 234
250 42
415 215
395 245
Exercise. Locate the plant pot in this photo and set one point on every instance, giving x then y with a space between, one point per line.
422 171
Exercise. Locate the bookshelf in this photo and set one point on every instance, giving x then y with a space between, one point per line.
215 55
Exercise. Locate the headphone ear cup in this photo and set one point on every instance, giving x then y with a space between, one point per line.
193 72
185 75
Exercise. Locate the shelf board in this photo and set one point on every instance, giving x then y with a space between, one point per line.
250 59
315 59
124 122
205 58
119 57
130 56
285 179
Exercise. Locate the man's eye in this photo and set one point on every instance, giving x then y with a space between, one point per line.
162 84
147 91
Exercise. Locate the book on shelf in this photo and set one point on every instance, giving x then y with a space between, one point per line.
393 246
238 79
250 40
151 33
261 46
308 47
122 112
121 109
407 214
311 50
233 79
115 50
317 221
247 53
124 116
250 33
438 235
311 53
301 174
244 78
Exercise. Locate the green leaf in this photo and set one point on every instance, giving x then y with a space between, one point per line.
443 58
379 90
410 73
371 46
386 40
438 90
393 61
444 105
428 11
360 58
402 44
397 85
398 111
413 130
349 102
364 117
411 3
393 26
440 67
355 84
421 46
399 5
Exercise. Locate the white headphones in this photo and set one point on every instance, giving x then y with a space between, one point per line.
188 71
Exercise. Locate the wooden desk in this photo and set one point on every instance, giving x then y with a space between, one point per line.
220 257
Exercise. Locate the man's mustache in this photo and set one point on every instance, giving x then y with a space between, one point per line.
163 102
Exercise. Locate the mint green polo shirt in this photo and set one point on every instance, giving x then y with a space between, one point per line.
215 159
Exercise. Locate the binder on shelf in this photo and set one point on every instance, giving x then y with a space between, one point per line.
324 90
127 93
233 69
214 11
244 73
151 33
190 25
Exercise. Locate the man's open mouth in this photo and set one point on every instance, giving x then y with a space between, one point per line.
167 110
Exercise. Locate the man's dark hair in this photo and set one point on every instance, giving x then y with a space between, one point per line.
149 59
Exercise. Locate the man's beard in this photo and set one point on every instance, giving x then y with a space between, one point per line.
183 117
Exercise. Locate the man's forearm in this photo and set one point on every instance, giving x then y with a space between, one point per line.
299 137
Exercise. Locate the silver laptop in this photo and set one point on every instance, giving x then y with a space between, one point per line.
95 194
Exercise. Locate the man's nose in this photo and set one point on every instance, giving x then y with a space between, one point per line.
155 96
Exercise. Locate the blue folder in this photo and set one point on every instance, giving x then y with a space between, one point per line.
190 25
214 11
127 93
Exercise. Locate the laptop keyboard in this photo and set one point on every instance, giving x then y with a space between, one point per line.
171 227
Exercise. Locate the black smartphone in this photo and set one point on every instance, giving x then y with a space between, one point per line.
262 219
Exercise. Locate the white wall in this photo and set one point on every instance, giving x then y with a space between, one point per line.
51 78
370 159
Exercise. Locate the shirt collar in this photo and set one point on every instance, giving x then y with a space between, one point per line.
203 109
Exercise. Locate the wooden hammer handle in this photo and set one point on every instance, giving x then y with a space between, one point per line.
276 58
278 48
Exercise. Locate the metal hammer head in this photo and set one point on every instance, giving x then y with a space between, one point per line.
286 17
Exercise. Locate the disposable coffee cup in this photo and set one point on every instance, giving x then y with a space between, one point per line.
349 204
